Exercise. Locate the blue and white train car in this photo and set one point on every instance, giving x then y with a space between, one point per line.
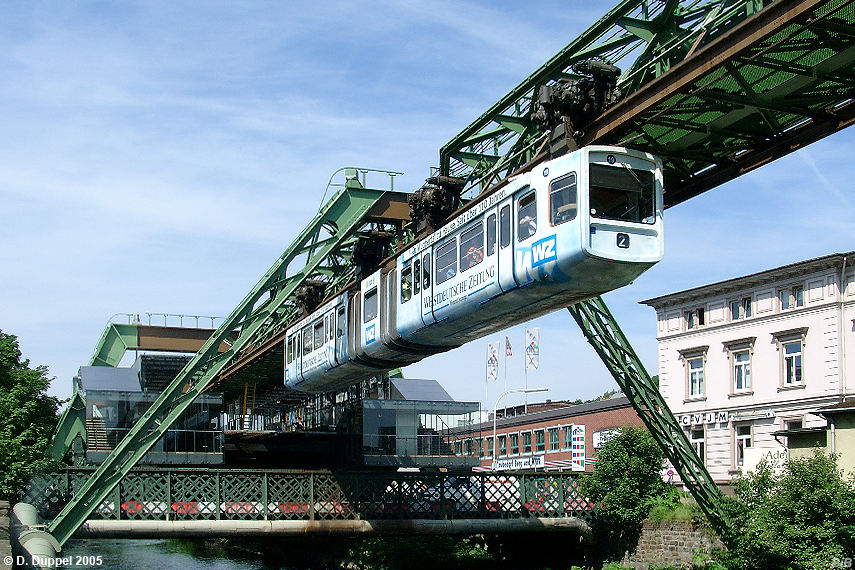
574 227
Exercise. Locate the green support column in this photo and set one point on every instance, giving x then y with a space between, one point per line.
70 432
264 309
604 334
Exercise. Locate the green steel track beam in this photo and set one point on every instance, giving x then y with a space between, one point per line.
644 37
261 311
71 426
115 340
603 333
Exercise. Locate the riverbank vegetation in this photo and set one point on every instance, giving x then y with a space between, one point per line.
28 417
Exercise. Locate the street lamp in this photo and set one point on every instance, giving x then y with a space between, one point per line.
496 407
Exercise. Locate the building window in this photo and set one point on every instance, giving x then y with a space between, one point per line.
515 444
791 298
695 367
540 440
694 318
527 442
740 308
792 362
741 360
743 441
698 441
568 436
489 447
503 450
458 447
794 423
480 447
553 439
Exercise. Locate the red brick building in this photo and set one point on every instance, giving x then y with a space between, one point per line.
565 438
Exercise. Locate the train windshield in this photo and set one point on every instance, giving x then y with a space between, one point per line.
622 193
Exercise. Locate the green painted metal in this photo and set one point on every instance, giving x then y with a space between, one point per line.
644 37
115 340
70 432
603 333
750 102
262 313
231 494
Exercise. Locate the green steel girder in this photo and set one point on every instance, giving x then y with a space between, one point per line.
645 37
344 215
603 333
115 340
70 430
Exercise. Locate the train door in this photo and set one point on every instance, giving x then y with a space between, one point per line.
525 225
341 331
427 287
505 245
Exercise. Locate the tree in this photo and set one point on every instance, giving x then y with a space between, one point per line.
625 485
802 517
28 417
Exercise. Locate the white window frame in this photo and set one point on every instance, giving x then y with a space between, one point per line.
782 340
737 437
733 348
695 318
688 356
699 445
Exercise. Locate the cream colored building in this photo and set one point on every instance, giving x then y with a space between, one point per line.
742 359
837 437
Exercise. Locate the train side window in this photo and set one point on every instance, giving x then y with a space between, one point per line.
426 271
505 227
331 326
406 284
342 323
417 279
562 199
369 307
290 346
319 334
446 261
307 340
527 216
491 234
472 247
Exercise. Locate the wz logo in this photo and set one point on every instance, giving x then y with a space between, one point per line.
370 334
543 251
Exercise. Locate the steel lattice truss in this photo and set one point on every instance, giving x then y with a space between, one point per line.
715 88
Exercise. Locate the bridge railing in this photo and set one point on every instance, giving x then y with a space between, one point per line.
217 494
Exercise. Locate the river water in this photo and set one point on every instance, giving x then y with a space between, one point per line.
153 555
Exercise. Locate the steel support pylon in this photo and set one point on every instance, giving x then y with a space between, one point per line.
604 334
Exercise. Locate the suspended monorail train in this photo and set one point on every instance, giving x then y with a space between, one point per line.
572 228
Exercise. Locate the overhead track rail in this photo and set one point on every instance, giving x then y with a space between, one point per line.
714 88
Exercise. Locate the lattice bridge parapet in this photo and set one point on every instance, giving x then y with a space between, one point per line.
212 494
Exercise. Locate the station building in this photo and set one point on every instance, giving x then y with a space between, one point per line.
744 361
562 438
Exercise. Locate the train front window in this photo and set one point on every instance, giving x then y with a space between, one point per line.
622 193
406 284
527 216
369 308
472 247
446 261
562 199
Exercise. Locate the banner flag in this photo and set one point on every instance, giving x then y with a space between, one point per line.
508 351
492 361
532 348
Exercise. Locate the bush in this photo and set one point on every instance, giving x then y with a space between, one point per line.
802 518
625 485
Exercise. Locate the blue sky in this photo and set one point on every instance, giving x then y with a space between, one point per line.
159 156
